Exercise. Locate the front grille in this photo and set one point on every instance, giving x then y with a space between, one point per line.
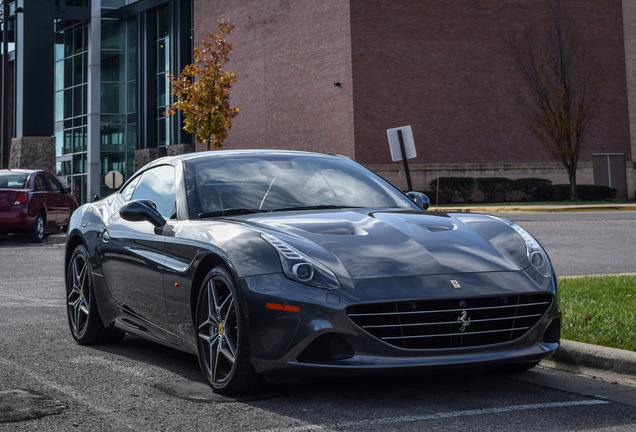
451 323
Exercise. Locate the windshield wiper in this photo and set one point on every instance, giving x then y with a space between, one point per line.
315 207
228 212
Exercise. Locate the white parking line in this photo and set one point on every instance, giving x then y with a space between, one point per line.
436 416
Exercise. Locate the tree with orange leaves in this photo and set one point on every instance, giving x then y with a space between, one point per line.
202 90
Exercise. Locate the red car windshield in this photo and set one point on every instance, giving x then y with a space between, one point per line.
10 180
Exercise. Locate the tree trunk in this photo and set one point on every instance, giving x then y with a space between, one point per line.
574 194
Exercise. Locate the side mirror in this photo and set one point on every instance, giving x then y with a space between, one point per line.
420 199
142 210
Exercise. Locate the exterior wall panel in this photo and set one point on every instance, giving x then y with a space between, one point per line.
439 66
442 67
287 56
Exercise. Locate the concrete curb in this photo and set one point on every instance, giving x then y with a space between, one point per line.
579 354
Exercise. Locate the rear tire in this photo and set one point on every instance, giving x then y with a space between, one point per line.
81 306
222 345
37 233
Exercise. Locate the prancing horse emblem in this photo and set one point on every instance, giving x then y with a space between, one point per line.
464 321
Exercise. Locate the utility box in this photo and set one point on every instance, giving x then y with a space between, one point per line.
609 170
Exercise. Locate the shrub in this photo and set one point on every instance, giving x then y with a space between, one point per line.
502 189
561 192
586 192
495 189
453 188
533 189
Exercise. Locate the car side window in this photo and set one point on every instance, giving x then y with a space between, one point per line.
42 183
126 193
55 185
157 184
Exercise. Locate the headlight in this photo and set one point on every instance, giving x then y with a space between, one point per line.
536 255
300 268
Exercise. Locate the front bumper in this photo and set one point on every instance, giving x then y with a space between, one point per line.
322 340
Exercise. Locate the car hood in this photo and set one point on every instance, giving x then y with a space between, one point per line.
389 243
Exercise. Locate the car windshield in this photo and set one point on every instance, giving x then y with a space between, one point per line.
11 180
240 184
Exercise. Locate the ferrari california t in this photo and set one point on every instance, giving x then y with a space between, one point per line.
283 263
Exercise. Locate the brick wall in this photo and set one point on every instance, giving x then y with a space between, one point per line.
437 65
423 174
629 26
442 68
287 56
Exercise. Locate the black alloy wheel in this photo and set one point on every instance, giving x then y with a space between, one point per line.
222 336
83 315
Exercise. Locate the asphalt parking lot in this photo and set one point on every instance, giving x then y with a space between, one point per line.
50 383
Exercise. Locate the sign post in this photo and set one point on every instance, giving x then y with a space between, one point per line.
402 147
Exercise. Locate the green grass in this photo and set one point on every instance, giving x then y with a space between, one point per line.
599 310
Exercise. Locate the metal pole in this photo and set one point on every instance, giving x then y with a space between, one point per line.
93 111
4 120
406 163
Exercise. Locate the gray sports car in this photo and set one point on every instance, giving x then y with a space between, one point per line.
281 263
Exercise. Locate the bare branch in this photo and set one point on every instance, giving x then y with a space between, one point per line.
562 84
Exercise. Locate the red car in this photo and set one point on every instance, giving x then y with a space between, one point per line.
35 202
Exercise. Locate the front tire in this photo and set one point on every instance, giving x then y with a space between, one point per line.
222 344
82 312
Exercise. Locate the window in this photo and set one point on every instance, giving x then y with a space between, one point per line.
55 185
71 102
164 53
42 183
157 185
118 117
127 192
9 180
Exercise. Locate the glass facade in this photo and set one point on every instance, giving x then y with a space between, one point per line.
118 98
163 70
138 51
71 78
